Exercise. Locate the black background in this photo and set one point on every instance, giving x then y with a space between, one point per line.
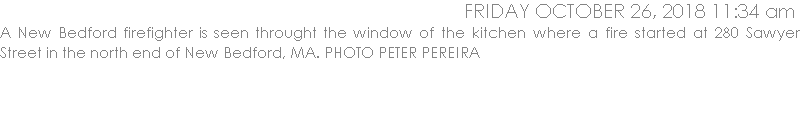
543 74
